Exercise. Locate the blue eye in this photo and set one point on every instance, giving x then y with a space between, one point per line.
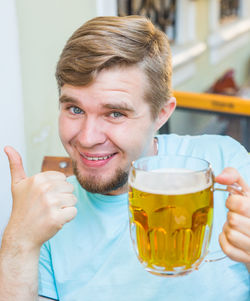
75 110
116 114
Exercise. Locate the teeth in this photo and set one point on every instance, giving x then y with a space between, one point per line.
97 158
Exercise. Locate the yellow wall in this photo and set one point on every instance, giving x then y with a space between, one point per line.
44 26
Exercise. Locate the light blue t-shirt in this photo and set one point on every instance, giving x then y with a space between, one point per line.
92 257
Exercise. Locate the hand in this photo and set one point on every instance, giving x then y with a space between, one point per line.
42 204
235 237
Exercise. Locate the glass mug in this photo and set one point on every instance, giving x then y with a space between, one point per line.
171 212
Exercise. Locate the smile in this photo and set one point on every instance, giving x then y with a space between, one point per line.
97 158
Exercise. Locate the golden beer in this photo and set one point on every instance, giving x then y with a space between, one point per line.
170 230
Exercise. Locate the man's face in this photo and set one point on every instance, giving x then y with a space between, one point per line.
105 126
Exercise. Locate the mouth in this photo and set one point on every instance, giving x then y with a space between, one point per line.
96 160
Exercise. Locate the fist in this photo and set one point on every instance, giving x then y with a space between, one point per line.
235 237
42 204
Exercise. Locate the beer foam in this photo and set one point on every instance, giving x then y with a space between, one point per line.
172 170
170 181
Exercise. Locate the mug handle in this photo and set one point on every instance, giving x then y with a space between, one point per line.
232 189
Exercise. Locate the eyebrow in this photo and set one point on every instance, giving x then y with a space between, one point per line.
119 107
111 106
67 99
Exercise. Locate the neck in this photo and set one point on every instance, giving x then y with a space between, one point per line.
156 146
124 188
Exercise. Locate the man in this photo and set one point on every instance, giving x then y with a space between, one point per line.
114 78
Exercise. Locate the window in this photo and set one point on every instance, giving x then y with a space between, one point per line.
177 18
229 27
229 10
161 12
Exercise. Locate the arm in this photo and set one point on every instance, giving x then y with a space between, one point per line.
18 272
235 237
42 204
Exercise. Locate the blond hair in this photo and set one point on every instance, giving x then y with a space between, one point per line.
105 42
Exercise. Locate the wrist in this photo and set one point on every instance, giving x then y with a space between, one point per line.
14 245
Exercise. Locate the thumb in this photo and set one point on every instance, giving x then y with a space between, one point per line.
16 165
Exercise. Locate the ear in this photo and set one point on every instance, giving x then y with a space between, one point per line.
165 113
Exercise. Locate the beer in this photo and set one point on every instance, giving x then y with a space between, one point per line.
171 224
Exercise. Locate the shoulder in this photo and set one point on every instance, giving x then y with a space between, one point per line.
197 138
184 143
220 151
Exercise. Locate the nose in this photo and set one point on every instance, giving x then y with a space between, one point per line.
91 133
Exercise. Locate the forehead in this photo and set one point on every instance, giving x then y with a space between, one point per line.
126 84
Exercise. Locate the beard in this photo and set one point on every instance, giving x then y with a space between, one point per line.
95 184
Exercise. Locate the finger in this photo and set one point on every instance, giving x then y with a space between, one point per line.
53 175
66 200
239 222
231 251
57 186
67 214
237 239
16 165
238 204
230 176
50 181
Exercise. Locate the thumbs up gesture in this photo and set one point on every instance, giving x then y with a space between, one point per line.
42 204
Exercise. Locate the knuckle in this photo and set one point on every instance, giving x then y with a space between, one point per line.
40 182
45 187
230 234
71 187
57 174
51 200
74 199
52 173
225 246
35 180
242 208
58 226
54 221
230 202
61 174
46 201
237 204
74 211
226 249
232 219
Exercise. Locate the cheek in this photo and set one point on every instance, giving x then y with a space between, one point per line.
61 127
67 129
135 139
144 137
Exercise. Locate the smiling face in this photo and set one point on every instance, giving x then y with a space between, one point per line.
106 125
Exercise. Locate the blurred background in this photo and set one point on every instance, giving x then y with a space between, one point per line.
210 41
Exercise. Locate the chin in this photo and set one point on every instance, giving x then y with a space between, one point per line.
96 184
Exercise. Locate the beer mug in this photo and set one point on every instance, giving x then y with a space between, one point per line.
171 212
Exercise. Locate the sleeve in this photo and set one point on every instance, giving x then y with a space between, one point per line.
46 280
222 152
239 158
